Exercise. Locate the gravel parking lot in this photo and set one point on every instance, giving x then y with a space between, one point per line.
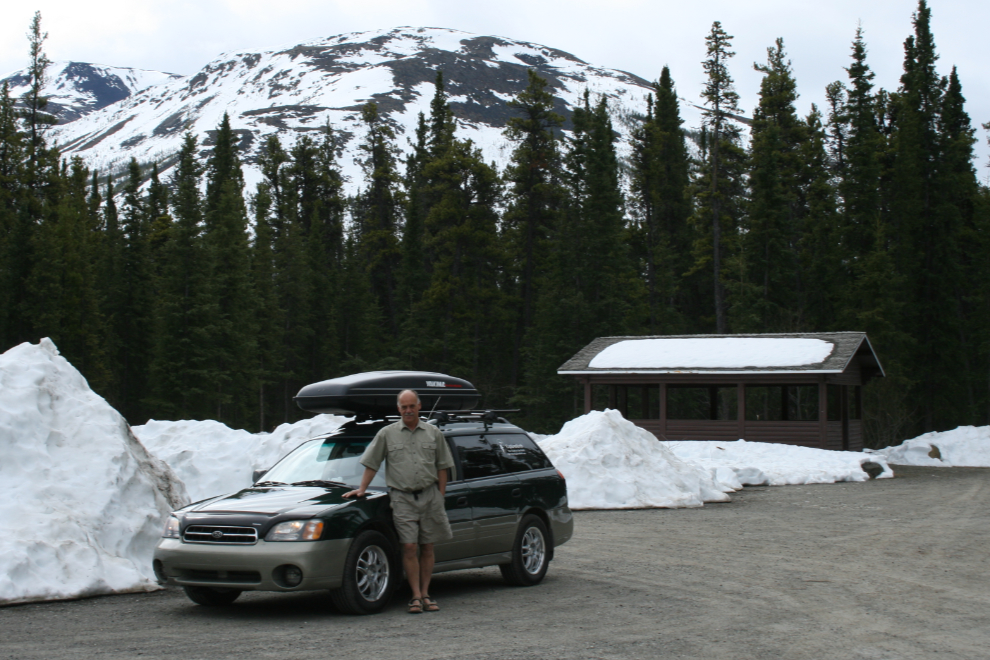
895 568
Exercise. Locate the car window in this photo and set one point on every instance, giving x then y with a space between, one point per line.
478 458
518 452
326 459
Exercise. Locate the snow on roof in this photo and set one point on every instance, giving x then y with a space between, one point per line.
817 352
712 353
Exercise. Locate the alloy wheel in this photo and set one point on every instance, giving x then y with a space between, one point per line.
533 550
372 573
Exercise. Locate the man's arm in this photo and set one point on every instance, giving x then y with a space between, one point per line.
366 478
442 481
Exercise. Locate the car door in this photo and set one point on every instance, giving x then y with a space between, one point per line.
458 505
493 494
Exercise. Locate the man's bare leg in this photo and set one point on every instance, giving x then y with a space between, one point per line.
426 560
412 565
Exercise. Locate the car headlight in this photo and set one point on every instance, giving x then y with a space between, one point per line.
296 530
171 530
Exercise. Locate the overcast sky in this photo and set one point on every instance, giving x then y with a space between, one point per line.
640 36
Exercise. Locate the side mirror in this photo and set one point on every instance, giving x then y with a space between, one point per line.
258 474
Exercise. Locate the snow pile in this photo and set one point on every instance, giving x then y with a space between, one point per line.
213 459
966 446
610 463
82 503
712 353
740 463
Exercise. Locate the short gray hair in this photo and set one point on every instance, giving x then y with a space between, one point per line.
399 396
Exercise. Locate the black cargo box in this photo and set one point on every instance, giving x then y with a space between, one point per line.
374 393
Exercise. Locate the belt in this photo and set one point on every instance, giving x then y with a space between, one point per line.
414 493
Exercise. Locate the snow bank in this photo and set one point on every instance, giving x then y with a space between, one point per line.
966 446
742 463
610 463
82 503
712 353
212 458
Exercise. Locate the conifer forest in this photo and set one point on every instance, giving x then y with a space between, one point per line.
192 297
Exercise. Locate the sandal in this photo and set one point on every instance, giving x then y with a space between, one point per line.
431 605
416 606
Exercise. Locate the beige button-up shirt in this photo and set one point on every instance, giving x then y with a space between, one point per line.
412 458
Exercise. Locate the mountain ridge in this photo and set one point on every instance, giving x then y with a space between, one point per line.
296 89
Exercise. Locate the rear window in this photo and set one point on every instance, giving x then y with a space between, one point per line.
518 452
478 457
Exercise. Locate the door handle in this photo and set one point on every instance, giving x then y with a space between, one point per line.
516 492
461 501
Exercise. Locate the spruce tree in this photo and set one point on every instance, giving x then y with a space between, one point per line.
268 372
133 318
34 102
326 242
660 177
226 236
62 280
459 192
378 213
860 183
11 192
294 286
414 264
591 287
925 238
769 295
721 101
186 307
534 198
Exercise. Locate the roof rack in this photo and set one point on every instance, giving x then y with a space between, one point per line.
489 417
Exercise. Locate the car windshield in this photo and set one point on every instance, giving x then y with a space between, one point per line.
324 460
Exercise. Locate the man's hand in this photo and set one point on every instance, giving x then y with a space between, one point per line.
366 478
442 482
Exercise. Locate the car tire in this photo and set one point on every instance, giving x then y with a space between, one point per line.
212 597
370 575
530 554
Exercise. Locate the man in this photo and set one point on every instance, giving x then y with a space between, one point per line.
416 461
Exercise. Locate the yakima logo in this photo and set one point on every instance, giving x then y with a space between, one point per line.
436 383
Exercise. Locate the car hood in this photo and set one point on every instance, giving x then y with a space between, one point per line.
273 500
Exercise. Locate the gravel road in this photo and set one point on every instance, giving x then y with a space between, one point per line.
895 568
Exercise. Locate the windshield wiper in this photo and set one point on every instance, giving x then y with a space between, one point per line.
270 483
320 482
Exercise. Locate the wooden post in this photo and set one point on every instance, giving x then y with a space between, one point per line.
741 409
822 413
663 411
587 395
844 414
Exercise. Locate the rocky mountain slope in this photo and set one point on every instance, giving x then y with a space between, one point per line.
295 90
76 89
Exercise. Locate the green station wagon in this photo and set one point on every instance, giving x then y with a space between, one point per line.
293 531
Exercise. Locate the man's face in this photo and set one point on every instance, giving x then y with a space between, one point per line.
409 407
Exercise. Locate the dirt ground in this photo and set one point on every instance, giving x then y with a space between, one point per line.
894 568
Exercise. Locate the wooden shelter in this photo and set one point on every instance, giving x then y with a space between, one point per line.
801 389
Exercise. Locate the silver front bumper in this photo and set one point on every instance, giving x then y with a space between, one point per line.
251 567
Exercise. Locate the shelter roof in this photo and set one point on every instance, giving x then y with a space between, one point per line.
784 353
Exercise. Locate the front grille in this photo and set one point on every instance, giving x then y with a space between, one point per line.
217 534
240 577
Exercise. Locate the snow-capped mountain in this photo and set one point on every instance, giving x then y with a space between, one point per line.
75 89
294 90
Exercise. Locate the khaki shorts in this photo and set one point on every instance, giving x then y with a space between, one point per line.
420 519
